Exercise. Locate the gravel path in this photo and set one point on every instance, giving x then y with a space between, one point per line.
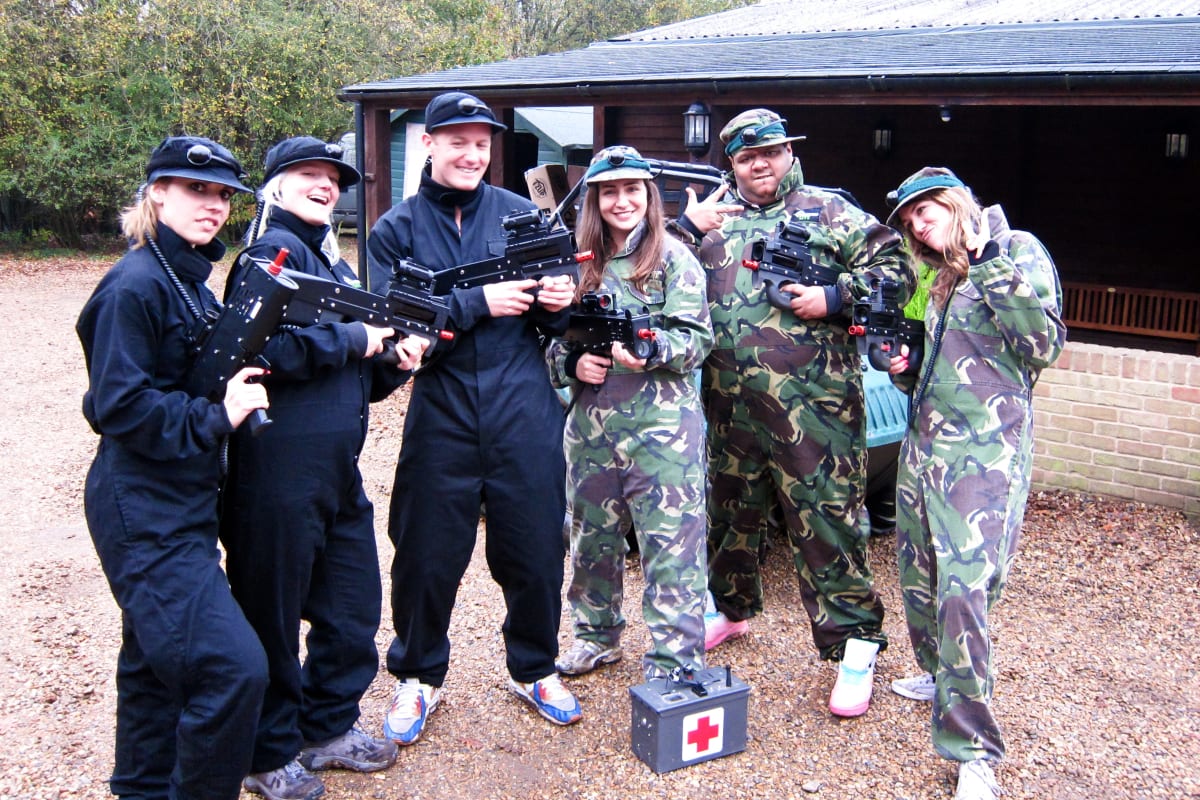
1098 691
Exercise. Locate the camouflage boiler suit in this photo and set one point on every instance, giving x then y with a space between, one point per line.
635 455
786 416
964 474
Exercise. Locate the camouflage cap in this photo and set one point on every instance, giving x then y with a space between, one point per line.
924 180
757 127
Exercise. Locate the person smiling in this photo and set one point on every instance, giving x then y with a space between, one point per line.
992 325
483 424
191 672
297 526
634 439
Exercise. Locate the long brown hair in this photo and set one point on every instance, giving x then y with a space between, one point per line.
591 233
951 263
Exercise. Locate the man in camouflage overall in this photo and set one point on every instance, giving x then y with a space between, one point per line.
991 326
784 401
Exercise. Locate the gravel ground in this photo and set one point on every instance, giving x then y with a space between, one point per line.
1098 692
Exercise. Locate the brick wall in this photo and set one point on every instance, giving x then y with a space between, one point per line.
1120 422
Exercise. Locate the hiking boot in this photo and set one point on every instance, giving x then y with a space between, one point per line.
976 781
585 655
290 782
551 699
718 628
411 706
856 673
353 750
919 687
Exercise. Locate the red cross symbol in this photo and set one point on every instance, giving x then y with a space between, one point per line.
704 732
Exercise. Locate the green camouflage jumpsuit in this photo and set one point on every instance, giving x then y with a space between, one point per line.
964 474
786 417
635 456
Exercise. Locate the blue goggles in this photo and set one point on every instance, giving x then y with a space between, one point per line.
751 135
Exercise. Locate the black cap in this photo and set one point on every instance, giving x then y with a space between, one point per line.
197 158
459 108
309 148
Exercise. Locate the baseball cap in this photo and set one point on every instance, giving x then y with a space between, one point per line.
459 108
619 162
309 148
757 127
197 158
923 181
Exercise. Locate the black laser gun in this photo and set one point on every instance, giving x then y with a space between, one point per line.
880 323
596 323
784 257
534 248
251 314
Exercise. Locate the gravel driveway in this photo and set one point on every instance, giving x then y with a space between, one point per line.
1098 691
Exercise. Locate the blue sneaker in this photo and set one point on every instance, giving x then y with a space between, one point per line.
413 703
550 698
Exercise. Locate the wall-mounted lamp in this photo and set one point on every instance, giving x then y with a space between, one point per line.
881 140
944 114
1177 145
695 128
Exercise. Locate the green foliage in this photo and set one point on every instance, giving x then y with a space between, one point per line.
88 87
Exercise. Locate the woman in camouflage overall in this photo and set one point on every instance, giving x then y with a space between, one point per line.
634 439
992 324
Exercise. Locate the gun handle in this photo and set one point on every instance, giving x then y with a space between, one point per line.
258 421
879 358
777 298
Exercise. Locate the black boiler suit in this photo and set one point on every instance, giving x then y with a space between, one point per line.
484 427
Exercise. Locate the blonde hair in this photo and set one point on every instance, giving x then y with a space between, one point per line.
139 219
591 233
951 263
270 195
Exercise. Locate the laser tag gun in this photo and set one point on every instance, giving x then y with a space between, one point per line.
597 322
880 322
784 257
407 309
250 316
534 248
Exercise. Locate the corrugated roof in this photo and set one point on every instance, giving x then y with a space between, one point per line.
776 17
1109 48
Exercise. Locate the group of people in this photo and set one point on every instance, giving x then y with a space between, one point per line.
213 694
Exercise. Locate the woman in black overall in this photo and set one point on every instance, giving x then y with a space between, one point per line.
295 521
191 672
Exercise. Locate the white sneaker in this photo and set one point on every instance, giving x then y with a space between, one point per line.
411 706
919 687
976 781
856 676
550 698
584 655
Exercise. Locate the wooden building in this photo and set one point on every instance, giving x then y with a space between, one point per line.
1081 118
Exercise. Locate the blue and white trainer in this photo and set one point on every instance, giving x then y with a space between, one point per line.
411 706
550 698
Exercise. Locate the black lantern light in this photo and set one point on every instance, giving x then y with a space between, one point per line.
695 128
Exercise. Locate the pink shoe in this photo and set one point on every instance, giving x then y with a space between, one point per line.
718 628
852 692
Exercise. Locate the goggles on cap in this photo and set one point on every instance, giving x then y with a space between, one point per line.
470 106
616 161
201 155
748 136
899 197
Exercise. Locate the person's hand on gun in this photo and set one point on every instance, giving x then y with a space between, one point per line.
242 397
899 364
509 298
708 214
410 350
592 368
625 358
556 292
375 337
808 302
